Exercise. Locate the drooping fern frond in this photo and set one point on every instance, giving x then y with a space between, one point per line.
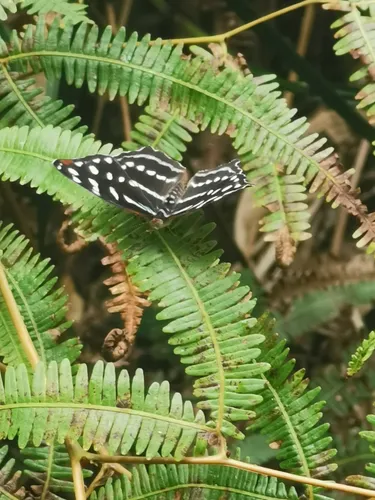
164 131
49 470
207 311
248 109
304 300
289 416
193 481
284 195
361 355
103 410
21 104
355 33
41 305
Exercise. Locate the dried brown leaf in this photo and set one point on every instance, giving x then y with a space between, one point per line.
127 300
285 247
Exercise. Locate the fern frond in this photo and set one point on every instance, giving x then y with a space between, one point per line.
247 108
289 416
207 311
102 410
361 355
10 5
10 486
284 195
21 104
164 131
49 469
366 481
356 35
316 295
72 11
193 481
42 306
127 300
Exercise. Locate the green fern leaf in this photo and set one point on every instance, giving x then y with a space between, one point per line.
49 469
361 355
21 104
71 11
285 196
42 306
289 417
101 410
206 308
163 131
10 5
246 107
193 481
355 31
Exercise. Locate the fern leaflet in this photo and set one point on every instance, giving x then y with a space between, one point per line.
42 306
288 416
102 410
193 481
361 355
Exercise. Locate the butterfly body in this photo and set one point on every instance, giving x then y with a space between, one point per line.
150 183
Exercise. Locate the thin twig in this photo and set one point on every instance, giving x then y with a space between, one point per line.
302 45
75 454
23 334
219 38
237 464
125 12
359 163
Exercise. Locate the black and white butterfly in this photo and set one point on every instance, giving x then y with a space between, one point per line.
150 183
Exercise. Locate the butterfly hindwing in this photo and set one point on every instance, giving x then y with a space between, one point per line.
139 180
208 186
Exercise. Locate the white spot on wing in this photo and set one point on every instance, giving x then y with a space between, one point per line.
114 193
73 171
93 182
109 176
227 188
150 172
129 163
121 179
78 163
108 159
77 180
140 168
96 160
139 205
93 169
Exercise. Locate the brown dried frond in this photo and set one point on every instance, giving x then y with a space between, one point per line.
335 185
116 345
62 239
127 300
285 247
322 273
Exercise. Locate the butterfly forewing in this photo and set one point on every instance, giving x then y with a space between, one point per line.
208 186
139 181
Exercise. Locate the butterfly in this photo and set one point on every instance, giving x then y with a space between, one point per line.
150 183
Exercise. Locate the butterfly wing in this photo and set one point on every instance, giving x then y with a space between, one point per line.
208 186
137 180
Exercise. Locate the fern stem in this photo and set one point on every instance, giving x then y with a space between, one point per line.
165 129
75 456
237 464
222 37
17 319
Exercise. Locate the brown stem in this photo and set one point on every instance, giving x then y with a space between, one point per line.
23 334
